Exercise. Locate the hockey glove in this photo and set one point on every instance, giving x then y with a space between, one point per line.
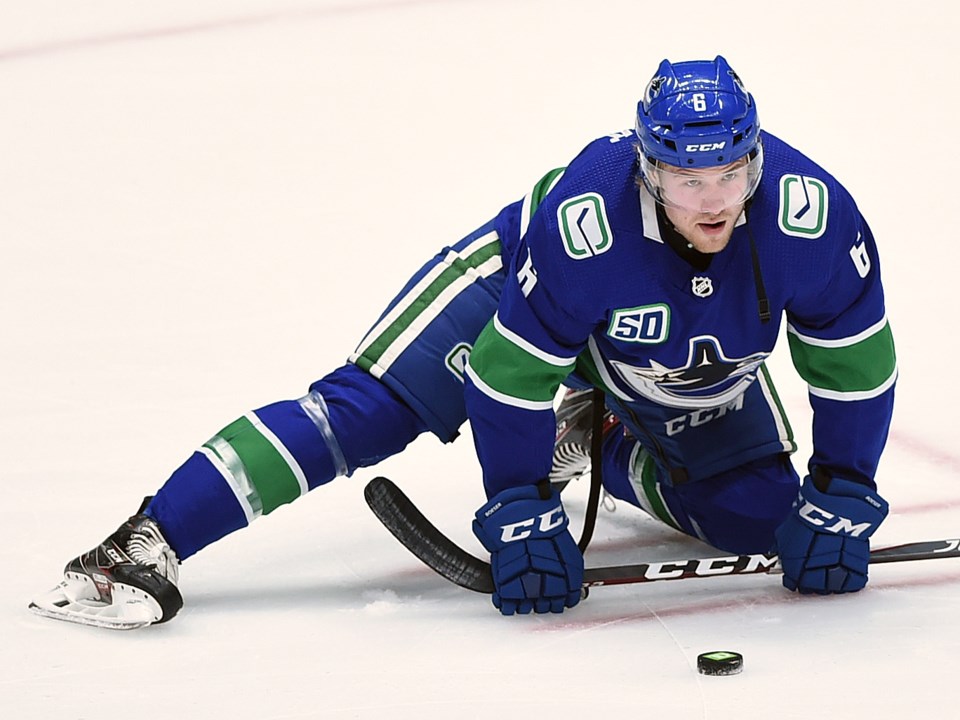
536 564
824 543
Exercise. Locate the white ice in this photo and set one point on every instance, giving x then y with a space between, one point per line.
203 205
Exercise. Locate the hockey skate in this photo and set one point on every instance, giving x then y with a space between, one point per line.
571 450
126 582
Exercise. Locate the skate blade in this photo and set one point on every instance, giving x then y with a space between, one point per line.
76 600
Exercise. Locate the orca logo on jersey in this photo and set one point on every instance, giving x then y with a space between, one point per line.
708 379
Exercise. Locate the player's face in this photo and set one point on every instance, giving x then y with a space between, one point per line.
704 204
708 232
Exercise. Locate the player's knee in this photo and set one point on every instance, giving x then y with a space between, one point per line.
367 419
739 510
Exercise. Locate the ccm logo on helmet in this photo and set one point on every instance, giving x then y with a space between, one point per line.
706 147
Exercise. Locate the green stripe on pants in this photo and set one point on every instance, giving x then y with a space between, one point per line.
458 266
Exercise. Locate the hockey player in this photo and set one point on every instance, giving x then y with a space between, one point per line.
656 266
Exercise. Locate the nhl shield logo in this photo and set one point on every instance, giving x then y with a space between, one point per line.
702 286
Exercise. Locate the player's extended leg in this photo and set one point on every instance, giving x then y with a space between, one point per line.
266 458
274 455
406 378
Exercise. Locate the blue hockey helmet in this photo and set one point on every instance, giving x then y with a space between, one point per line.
697 114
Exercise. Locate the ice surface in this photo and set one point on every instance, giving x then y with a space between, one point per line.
204 204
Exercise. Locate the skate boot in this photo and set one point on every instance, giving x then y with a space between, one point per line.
126 582
571 450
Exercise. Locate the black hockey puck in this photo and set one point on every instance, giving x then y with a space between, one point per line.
720 662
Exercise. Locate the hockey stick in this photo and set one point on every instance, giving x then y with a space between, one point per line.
596 463
402 518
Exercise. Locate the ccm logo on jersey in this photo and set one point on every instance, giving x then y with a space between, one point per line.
521 530
821 518
702 416
706 147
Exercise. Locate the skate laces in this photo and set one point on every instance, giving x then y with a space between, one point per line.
147 546
571 451
570 461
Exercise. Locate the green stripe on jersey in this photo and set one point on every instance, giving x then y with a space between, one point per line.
513 371
533 199
596 374
275 481
372 349
858 368
779 414
543 186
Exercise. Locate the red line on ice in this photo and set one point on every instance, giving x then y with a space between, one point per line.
925 451
739 600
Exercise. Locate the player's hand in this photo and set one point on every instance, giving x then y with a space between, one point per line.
824 543
537 566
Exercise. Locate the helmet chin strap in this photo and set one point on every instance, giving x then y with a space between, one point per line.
701 261
763 303
678 243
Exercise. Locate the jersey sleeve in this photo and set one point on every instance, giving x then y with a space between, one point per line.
842 346
517 366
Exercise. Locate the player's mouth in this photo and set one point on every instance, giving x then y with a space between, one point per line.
712 228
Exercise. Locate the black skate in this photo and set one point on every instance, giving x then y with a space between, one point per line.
571 450
126 582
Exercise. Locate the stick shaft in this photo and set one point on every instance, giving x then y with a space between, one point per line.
399 515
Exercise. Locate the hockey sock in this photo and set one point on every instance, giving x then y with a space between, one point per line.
273 455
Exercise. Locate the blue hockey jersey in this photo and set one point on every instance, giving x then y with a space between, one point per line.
592 287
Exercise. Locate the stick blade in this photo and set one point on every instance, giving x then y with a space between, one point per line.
402 518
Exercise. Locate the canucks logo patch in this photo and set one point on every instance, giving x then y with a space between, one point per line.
456 360
584 226
653 88
709 378
803 206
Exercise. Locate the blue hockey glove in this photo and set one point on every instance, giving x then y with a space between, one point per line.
824 543
536 564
